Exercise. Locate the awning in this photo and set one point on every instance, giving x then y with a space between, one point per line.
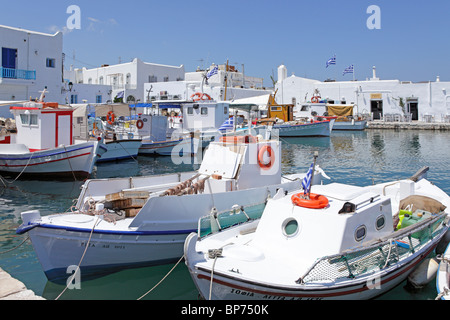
252 103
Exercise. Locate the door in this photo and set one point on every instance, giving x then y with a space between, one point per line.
376 107
9 61
413 109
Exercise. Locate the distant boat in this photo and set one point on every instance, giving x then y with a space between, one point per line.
115 144
43 147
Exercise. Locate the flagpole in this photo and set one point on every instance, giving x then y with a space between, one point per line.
316 154
353 72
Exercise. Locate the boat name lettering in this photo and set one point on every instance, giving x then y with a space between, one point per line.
103 246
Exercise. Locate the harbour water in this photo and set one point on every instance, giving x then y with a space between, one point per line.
358 158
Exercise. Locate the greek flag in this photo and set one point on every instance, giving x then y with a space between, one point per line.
306 183
348 70
228 125
120 95
214 71
331 61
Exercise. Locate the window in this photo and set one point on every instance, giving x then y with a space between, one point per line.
98 99
204 111
28 119
51 63
101 80
290 227
74 99
90 81
33 120
225 110
152 79
166 79
380 222
25 118
190 111
360 233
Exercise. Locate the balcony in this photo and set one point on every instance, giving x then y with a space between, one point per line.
7 73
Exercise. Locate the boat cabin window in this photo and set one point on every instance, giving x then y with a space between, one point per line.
225 110
305 108
190 111
204 111
275 108
360 233
29 119
290 227
381 221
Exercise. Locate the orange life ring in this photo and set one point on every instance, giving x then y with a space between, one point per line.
315 99
208 97
315 201
198 95
266 149
140 124
111 117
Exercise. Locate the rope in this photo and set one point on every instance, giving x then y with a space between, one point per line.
444 292
216 253
16 246
164 278
23 170
82 257
70 164
120 144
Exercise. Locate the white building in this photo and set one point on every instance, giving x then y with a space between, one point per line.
31 61
125 79
222 86
424 101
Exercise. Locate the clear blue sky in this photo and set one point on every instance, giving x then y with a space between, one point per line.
412 44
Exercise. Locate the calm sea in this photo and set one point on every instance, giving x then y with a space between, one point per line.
359 158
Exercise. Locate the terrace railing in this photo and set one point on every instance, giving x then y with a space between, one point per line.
8 73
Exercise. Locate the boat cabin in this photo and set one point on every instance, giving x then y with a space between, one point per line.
354 216
42 125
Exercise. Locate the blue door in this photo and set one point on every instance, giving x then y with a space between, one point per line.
9 60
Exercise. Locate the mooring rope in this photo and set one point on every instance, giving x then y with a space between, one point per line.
15 179
81 260
164 278
16 246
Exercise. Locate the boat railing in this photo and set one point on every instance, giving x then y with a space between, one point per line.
219 221
377 254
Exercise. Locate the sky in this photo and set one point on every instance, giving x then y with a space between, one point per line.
410 43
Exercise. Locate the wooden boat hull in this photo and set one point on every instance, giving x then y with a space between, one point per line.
314 129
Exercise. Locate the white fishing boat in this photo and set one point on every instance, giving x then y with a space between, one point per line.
115 142
43 146
443 276
340 243
305 129
124 223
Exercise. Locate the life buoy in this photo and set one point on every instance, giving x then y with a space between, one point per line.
266 149
111 117
198 95
315 99
315 201
140 124
206 96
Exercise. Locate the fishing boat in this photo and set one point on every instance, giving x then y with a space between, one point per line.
346 119
281 119
443 276
115 142
139 221
43 146
332 241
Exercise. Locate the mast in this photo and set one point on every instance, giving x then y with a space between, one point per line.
226 81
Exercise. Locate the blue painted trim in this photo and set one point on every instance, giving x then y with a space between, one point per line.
127 233
24 228
47 155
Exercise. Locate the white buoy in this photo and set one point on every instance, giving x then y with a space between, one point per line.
424 273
